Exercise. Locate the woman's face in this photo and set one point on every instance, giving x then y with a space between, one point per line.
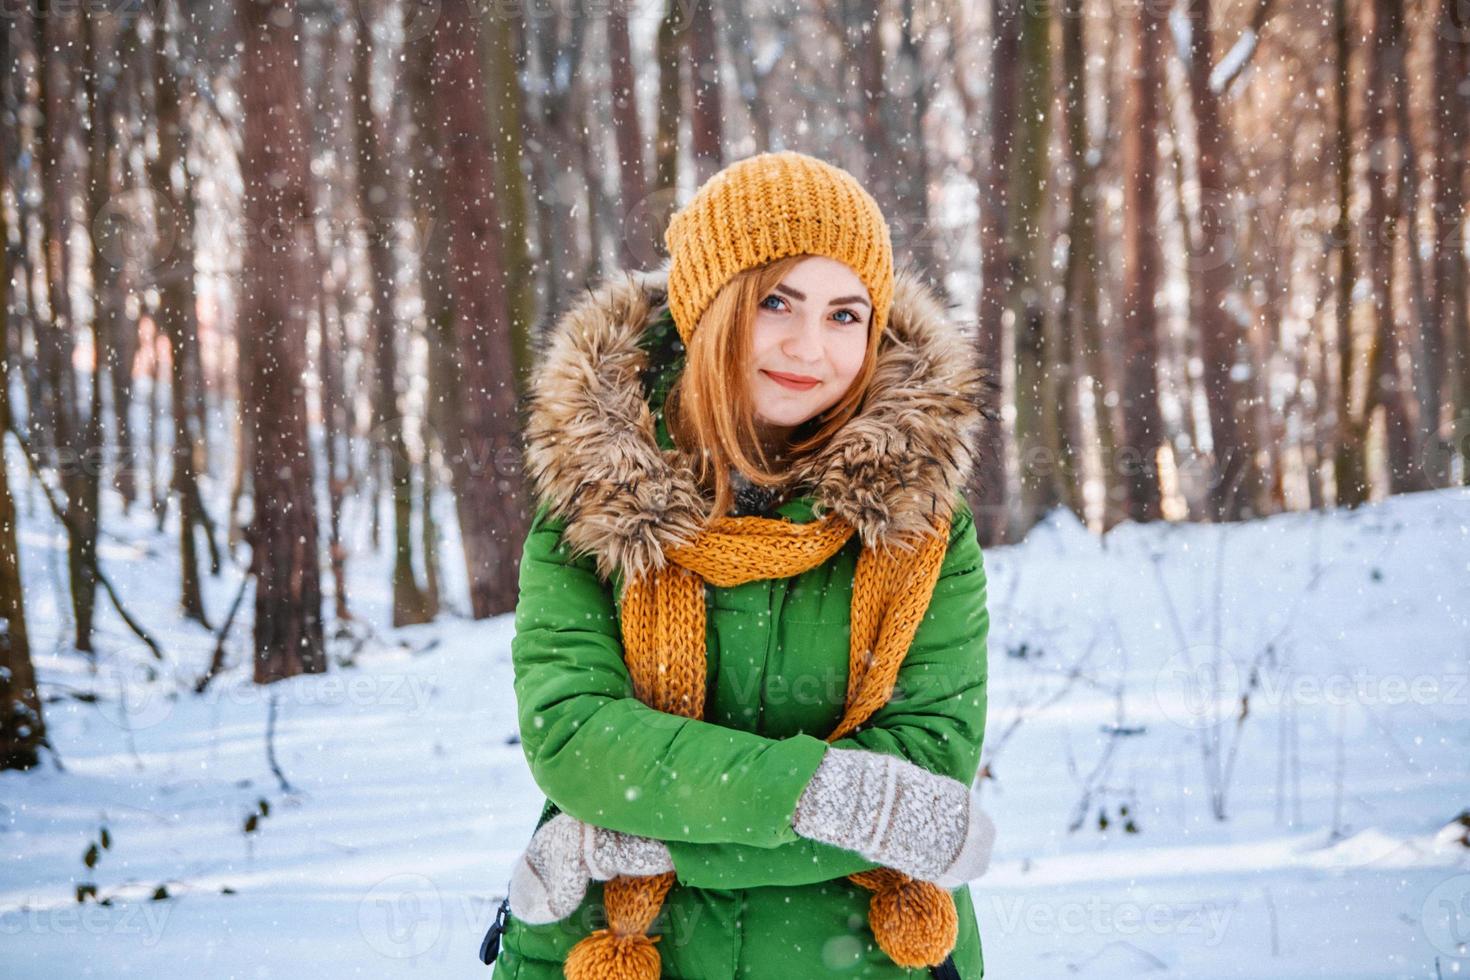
813 326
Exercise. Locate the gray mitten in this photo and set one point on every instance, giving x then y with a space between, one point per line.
550 878
898 814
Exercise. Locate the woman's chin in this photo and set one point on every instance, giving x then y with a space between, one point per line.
784 419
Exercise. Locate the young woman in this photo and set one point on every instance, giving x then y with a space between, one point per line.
750 647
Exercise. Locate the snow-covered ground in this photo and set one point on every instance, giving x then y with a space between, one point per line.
1118 669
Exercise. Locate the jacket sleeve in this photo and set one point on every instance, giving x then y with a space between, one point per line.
935 719
606 758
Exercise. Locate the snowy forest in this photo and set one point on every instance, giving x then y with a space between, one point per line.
276 273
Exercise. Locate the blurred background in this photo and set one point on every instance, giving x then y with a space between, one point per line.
275 273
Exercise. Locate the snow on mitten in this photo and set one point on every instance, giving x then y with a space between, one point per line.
974 854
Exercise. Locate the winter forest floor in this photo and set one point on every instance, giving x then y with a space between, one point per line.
1117 672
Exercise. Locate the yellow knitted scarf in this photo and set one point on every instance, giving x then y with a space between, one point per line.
663 629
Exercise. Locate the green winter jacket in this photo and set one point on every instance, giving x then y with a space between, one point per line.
752 898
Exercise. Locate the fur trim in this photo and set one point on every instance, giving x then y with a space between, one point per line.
592 455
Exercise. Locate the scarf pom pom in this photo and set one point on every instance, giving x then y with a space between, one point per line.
605 955
915 922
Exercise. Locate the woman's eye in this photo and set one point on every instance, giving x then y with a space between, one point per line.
855 317
773 296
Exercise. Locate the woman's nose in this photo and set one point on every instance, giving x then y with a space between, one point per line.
806 344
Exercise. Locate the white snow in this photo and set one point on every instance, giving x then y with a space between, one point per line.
410 798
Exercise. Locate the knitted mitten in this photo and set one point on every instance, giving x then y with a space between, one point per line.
550 878
901 815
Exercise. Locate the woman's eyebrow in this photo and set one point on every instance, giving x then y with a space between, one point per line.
799 295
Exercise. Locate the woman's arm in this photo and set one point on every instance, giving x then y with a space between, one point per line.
606 758
935 719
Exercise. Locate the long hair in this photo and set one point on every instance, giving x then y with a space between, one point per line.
709 410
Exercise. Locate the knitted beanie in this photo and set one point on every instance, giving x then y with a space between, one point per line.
766 207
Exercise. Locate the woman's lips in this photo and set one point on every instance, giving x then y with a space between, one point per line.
786 382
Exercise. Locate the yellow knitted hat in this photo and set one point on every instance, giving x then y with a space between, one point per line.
766 207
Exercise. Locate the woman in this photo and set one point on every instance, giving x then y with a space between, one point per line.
750 648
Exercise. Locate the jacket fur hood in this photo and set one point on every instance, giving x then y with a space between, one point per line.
593 458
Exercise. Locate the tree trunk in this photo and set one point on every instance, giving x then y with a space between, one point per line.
157 492
1386 385
175 313
706 134
442 424
487 469
332 90
636 237
98 144
666 139
377 191
1350 468
1449 318
1037 446
22 723
122 339
1236 490
429 528
996 272
1143 423
278 282
1098 346
589 164
1428 361
504 61
55 339
751 84
907 110
1079 304
556 172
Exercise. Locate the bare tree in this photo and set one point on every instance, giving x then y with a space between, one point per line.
1235 486
1143 423
1450 307
22 724
1350 467
486 467
558 42
750 78
120 337
1386 380
505 61
706 128
1082 317
635 243
63 429
278 281
175 313
378 189
996 269
671 38
333 257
